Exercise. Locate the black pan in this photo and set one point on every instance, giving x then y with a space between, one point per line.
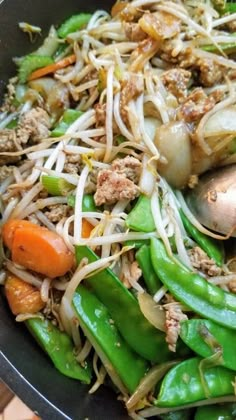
23 366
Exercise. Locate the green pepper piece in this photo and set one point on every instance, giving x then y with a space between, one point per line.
88 203
69 116
192 289
30 63
124 309
214 249
73 24
205 337
59 348
140 218
143 256
216 412
183 385
118 358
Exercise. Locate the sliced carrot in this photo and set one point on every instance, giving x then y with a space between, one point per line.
37 248
9 228
86 229
51 68
22 297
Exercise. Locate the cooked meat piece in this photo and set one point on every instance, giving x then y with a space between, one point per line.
176 81
210 73
130 89
8 102
201 262
196 105
57 212
231 26
5 171
133 32
129 166
100 110
8 143
131 272
91 184
34 125
173 317
113 187
72 164
232 286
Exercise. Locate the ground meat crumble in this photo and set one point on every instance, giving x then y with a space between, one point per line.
33 125
201 262
173 317
118 183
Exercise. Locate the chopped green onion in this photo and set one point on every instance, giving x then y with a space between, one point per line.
73 24
30 63
56 186
13 123
120 139
69 116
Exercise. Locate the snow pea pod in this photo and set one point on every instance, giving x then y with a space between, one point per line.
183 384
214 249
59 348
192 289
124 309
177 415
88 203
205 338
216 412
124 366
143 256
140 218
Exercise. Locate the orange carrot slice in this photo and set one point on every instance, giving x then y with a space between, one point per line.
9 228
86 229
37 248
22 297
51 68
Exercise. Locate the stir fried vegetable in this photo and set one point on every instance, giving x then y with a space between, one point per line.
103 131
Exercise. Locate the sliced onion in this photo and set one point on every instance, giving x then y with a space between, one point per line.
154 313
173 142
148 176
154 375
221 122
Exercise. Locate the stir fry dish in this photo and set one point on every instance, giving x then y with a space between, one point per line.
102 131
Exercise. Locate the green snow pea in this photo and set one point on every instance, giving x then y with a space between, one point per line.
140 218
59 348
73 24
183 384
192 289
216 412
30 63
205 338
143 256
122 364
88 203
214 249
177 415
69 116
124 309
